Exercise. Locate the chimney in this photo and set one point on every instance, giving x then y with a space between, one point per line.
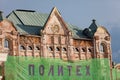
1 16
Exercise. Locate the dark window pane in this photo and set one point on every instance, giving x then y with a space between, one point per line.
22 48
6 43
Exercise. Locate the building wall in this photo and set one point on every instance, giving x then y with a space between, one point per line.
8 38
29 46
56 41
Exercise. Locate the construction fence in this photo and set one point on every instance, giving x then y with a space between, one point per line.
36 68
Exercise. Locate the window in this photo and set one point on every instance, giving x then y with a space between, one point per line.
102 47
22 48
83 49
57 49
50 48
89 50
29 48
64 49
6 43
76 50
37 48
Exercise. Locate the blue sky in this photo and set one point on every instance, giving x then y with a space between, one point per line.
77 12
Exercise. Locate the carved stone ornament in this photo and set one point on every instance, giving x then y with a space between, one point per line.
23 40
55 28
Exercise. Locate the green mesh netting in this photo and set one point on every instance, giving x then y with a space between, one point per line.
116 74
36 68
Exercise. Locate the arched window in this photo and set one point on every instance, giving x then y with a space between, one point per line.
22 47
57 49
76 50
6 43
83 50
64 49
29 48
102 47
89 50
50 48
37 48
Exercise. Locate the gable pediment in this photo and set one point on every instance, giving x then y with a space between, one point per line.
101 30
55 24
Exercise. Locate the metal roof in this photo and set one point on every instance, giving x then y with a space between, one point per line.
31 22
91 30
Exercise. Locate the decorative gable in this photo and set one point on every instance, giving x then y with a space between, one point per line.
55 24
102 32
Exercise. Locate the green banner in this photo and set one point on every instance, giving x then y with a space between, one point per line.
116 74
36 68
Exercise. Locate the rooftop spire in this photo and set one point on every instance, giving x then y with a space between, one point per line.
91 30
93 25
93 20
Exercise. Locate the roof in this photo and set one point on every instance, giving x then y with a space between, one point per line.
31 22
91 30
76 32
28 22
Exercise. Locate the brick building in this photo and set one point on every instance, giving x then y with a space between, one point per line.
29 33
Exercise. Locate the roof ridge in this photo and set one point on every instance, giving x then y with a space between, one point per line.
18 17
32 11
24 10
